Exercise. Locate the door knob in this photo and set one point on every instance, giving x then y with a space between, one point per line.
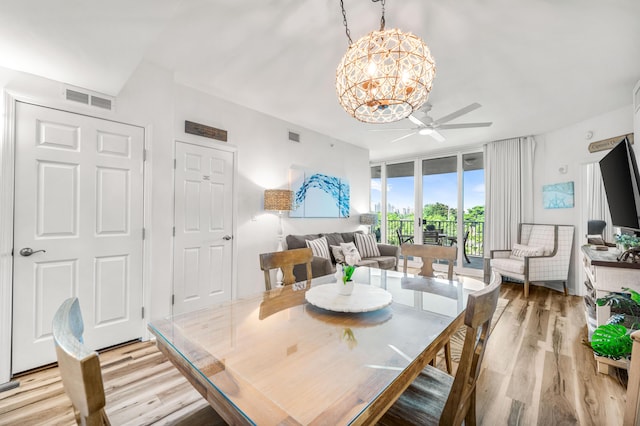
27 251
227 237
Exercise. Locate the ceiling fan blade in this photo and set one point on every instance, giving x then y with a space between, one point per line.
464 125
390 129
416 121
458 113
437 136
403 137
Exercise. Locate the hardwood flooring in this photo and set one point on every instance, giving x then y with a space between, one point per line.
536 371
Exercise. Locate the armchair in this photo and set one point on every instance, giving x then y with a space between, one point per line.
542 254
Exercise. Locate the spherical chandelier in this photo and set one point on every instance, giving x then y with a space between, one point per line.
385 75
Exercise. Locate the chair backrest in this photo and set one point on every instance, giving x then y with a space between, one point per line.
285 260
431 237
79 366
595 231
632 409
403 238
481 306
429 254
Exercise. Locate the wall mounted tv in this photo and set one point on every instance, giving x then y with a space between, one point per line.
621 179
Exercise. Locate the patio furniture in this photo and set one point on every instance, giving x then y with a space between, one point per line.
403 238
454 240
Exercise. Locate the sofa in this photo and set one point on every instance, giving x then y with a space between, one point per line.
388 259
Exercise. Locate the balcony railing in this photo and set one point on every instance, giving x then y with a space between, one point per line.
474 244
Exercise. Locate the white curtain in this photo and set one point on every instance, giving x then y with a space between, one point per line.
509 190
597 206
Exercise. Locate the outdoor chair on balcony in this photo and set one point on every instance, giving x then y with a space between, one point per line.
454 240
542 254
403 238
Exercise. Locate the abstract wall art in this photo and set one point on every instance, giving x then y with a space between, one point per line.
318 194
558 196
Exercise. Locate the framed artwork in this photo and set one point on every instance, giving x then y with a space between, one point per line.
318 194
558 196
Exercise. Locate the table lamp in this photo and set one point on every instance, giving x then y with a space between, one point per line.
369 219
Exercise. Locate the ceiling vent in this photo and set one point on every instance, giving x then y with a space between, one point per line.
89 98
294 137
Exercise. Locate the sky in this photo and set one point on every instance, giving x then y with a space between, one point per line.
436 188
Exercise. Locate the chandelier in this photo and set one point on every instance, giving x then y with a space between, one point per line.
385 75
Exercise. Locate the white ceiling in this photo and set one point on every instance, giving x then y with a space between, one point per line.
534 65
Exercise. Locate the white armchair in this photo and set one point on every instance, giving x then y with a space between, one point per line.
542 254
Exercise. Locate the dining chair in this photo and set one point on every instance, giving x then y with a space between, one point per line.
430 254
436 398
285 260
632 408
81 373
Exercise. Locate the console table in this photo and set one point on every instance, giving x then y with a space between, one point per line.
605 275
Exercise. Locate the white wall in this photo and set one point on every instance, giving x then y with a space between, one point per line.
568 147
264 155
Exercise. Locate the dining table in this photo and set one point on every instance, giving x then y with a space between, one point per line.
304 354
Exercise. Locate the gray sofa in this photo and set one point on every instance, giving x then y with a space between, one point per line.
320 266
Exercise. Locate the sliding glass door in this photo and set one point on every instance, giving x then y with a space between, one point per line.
434 201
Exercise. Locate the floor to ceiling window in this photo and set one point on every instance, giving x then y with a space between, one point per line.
376 199
433 201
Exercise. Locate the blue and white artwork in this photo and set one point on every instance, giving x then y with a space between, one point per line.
558 196
318 195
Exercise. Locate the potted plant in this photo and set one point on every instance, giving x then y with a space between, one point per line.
626 241
612 340
345 272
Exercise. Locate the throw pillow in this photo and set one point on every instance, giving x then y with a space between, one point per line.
367 245
319 247
337 254
519 251
351 254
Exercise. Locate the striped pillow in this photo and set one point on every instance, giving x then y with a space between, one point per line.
367 245
319 247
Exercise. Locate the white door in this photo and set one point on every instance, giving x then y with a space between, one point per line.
78 198
203 226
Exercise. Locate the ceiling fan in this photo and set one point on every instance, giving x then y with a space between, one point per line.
429 126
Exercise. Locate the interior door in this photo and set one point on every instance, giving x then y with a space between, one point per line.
203 226
79 209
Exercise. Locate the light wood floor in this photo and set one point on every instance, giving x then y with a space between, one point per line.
536 371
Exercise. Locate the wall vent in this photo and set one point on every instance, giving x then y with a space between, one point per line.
73 95
89 98
99 102
294 137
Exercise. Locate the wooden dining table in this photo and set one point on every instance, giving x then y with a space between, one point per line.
275 359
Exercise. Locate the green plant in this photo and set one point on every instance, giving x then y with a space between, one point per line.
612 340
627 241
347 272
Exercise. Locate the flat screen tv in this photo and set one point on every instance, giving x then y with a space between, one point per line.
621 179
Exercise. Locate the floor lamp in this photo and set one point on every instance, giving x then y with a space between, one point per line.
279 200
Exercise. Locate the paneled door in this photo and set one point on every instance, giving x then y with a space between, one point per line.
78 229
203 226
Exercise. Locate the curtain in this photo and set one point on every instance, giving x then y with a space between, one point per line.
509 190
597 206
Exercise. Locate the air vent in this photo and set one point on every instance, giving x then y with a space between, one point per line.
294 137
101 102
75 96
89 98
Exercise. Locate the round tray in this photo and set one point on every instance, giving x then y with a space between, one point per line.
364 298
